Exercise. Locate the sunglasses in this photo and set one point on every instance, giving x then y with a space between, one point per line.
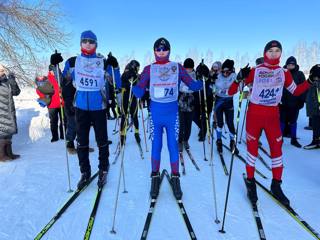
91 41
226 71
161 48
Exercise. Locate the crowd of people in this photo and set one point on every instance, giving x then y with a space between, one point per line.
90 86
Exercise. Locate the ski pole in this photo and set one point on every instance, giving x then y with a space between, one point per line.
122 161
201 129
144 129
57 73
231 163
244 118
205 106
217 221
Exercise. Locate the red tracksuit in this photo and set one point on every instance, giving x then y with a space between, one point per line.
263 112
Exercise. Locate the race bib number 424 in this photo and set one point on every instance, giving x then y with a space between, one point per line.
269 93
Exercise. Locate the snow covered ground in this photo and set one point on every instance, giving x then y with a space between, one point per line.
34 187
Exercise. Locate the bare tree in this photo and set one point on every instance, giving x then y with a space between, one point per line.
26 31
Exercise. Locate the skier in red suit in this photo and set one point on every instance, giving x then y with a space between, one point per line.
267 80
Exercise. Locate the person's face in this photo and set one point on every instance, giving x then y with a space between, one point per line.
273 53
215 70
161 52
291 66
226 72
88 44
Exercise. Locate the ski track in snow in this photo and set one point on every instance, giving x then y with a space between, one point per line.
35 186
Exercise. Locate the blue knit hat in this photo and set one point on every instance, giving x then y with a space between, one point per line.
88 35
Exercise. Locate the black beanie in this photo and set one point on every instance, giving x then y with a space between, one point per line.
228 64
161 42
291 60
188 63
271 44
315 70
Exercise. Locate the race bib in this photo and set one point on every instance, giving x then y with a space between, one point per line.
164 82
267 86
89 74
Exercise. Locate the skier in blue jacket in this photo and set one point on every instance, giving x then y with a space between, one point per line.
88 73
163 78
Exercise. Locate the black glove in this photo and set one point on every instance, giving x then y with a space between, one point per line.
314 74
244 73
202 70
11 77
112 61
56 58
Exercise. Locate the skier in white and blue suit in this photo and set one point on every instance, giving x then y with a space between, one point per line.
88 73
163 78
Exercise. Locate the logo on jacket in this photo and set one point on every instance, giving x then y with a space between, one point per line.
164 73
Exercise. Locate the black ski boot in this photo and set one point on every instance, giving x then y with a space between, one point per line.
71 148
85 177
102 178
155 184
313 145
137 137
180 147
295 142
175 182
186 145
233 146
277 192
252 190
122 140
219 145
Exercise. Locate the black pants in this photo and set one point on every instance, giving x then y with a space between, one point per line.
199 116
55 116
225 106
185 119
133 111
288 119
84 119
315 121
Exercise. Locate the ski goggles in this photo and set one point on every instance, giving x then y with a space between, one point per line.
226 71
161 48
86 40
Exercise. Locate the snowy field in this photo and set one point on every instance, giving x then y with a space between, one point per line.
34 187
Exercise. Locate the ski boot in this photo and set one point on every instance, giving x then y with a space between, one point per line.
155 184
233 146
3 152
313 145
252 190
137 137
8 150
180 147
71 148
85 177
122 138
277 192
295 142
186 145
102 178
219 145
175 182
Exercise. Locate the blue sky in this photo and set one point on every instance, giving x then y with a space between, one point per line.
222 26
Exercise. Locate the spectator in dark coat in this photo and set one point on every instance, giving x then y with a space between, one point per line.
8 123
313 107
291 105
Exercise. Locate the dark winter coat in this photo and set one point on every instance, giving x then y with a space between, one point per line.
8 89
313 106
186 97
288 100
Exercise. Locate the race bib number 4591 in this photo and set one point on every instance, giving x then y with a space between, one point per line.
88 82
